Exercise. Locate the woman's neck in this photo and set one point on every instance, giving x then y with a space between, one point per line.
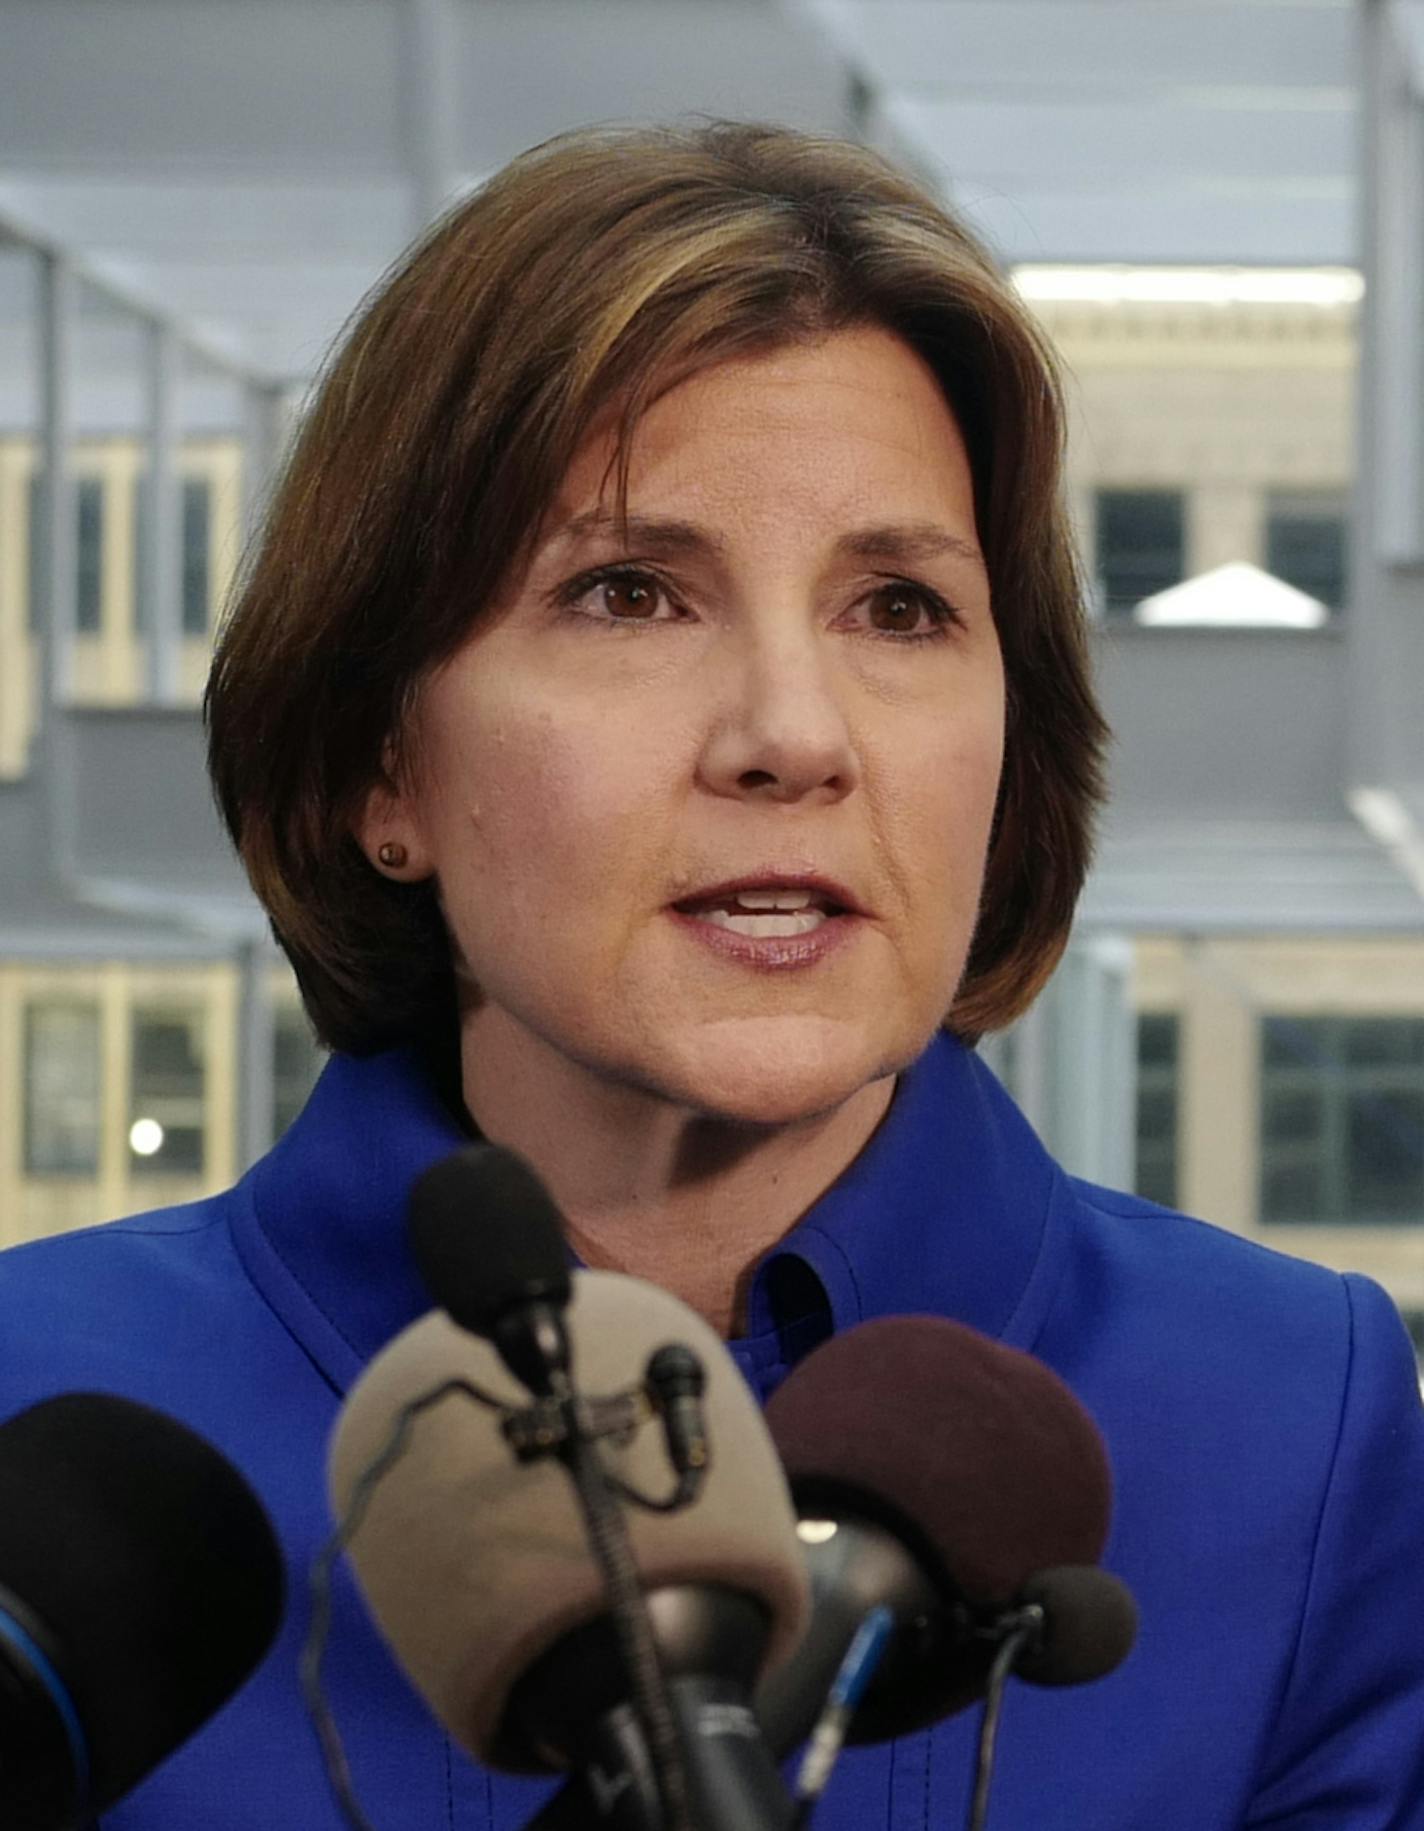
689 1202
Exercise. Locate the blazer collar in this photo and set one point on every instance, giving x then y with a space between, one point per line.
947 1210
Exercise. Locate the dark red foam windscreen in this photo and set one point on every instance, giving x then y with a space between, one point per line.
980 1450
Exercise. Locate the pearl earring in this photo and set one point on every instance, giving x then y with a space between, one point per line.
392 854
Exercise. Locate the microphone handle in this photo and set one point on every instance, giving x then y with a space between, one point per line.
710 1641
732 1782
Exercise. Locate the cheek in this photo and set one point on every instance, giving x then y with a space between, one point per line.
954 790
541 817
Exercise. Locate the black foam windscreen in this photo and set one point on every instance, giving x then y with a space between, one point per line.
148 1562
487 1237
1090 1625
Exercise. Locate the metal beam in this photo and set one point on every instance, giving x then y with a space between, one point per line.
429 89
160 529
56 572
1386 591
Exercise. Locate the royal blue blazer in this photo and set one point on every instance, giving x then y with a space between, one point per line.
1262 1417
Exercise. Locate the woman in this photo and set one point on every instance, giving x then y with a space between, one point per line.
657 722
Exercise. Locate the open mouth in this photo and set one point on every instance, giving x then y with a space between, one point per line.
764 914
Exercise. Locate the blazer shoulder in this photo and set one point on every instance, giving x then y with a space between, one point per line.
1209 1288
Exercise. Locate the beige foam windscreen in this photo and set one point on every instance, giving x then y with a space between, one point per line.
473 1564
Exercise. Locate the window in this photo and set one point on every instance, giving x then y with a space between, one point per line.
89 554
167 1084
89 573
61 1088
1157 1051
1342 1120
197 580
1140 545
296 1061
1305 543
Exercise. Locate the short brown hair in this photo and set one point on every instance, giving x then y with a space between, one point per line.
588 276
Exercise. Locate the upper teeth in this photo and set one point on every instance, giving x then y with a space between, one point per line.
774 899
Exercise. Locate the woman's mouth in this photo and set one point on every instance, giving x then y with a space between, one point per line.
770 925
763 914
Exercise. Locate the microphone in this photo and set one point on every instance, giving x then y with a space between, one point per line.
140 1584
509 1283
956 1482
477 1569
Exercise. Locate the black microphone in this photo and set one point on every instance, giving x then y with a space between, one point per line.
676 1380
488 1242
140 1584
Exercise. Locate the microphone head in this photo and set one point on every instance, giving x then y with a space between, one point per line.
1090 1624
150 1566
474 1565
973 1456
980 1454
487 1237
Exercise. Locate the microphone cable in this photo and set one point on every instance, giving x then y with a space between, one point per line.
1020 1629
333 1753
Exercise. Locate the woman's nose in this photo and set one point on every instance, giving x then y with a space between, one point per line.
779 730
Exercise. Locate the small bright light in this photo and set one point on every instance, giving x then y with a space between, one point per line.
815 1531
1117 284
145 1137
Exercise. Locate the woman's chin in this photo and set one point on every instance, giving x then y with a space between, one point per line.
778 1080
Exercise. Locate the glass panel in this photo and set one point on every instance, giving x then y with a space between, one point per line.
1342 1110
197 557
1383 1041
1385 1168
1157 1039
1291 1115
1294 1042
1306 543
166 1118
61 1089
1140 545
1156 1113
1293 1192
1156 1143
89 539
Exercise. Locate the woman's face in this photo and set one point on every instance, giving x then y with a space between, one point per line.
708 805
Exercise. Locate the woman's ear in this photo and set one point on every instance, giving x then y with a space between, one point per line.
388 832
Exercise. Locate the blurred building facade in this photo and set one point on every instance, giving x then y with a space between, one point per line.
1239 1027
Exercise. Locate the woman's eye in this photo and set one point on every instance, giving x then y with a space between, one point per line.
905 610
620 597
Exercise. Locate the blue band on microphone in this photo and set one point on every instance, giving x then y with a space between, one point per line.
39 1662
861 1659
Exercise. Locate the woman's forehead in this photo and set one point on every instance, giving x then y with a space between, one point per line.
854 403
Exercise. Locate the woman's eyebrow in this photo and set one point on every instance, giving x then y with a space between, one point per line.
651 533
917 540
891 540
